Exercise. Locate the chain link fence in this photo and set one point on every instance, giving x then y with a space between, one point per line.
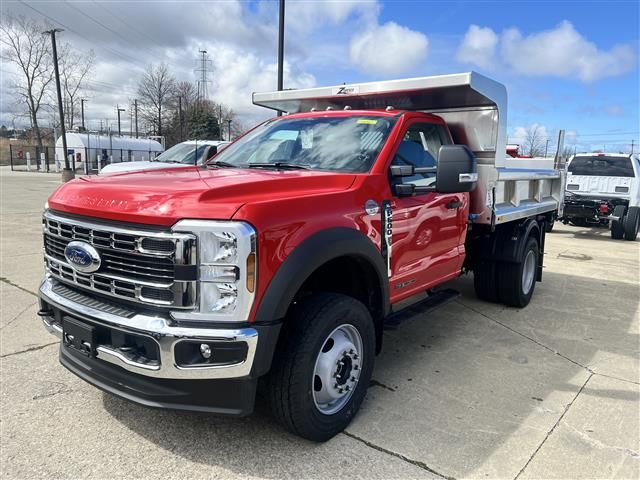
85 160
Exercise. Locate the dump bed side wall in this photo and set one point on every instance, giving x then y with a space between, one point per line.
507 194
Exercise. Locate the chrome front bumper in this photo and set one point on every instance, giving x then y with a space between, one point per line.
158 329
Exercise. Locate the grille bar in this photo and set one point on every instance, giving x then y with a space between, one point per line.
136 265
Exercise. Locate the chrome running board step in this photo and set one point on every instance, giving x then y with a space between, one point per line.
434 300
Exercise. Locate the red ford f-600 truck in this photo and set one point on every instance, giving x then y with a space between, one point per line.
282 258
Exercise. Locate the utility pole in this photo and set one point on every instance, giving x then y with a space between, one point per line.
119 110
229 130
67 173
281 49
220 120
180 117
135 106
546 147
82 100
632 145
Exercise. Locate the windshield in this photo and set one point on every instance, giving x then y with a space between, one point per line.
601 166
343 144
182 153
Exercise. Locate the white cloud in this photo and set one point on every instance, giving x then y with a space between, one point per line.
560 52
564 52
388 49
311 15
478 46
238 74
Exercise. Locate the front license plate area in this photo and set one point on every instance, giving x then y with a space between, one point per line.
79 335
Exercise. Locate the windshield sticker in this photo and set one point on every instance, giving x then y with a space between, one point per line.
367 121
306 138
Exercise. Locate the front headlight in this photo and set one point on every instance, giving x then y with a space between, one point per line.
226 270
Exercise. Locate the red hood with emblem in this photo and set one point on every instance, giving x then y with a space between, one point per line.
162 197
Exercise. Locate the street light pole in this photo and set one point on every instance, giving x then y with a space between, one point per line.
281 49
135 106
67 173
119 110
82 100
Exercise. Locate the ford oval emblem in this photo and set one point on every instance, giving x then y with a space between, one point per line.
82 256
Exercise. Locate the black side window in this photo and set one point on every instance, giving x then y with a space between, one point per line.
420 147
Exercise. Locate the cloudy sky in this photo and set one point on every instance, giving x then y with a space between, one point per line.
571 65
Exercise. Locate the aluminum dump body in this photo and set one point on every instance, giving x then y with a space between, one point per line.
475 109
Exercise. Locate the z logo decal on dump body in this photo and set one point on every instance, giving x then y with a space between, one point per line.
345 90
387 232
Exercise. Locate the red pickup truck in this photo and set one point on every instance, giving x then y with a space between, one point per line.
282 258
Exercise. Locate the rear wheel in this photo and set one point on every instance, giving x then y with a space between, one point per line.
617 226
548 226
631 223
323 366
517 280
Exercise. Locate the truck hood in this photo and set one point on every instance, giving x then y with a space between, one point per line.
139 165
162 197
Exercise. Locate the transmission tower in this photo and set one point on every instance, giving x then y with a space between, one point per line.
203 65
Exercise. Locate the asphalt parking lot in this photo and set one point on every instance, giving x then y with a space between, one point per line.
472 390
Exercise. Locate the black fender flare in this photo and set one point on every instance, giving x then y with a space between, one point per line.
508 241
307 257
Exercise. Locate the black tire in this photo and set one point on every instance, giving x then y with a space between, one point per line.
484 281
617 226
511 291
291 380
548 226
631 223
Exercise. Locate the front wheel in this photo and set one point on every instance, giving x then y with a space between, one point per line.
323 365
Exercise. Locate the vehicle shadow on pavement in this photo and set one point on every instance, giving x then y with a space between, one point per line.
471 389
254 446
591 232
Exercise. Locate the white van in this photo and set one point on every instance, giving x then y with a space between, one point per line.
191 152
604 188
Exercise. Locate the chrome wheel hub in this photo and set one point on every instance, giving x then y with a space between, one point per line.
528 272
337 369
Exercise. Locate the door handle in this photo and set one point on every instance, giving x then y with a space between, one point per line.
453 204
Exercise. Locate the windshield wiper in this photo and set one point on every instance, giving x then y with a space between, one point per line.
293 166
221 164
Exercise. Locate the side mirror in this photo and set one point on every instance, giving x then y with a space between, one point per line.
457 170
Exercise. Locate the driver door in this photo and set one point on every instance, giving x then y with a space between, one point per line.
428 229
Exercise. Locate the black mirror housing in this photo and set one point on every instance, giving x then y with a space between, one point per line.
457 170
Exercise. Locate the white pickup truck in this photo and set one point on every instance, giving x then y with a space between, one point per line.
191 152
603 188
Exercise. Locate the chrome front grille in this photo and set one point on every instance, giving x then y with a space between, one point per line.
136 265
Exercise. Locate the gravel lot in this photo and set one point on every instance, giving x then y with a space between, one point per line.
472 390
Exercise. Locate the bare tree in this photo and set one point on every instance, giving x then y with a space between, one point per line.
534 141
25 46
156 90
75 68
188 93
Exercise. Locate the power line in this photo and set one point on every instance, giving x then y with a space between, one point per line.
97 22
103 47
140 33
